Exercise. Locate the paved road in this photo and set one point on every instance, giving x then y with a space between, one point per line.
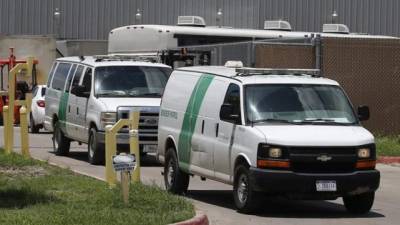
216 201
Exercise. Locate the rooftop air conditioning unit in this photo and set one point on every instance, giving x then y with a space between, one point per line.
277 25
193 21
335 28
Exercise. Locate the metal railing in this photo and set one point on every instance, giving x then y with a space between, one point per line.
111 146
8 110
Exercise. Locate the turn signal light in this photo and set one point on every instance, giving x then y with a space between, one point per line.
263 163
41 103
369 164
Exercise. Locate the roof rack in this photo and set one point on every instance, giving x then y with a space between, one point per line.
143 58
274 71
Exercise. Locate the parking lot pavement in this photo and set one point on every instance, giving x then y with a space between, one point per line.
215 199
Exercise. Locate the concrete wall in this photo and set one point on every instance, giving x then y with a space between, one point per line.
41 48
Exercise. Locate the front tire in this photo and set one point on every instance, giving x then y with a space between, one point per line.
176 181
359 204
246 199
96 153
61 143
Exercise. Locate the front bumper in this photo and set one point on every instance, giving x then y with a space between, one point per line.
303 185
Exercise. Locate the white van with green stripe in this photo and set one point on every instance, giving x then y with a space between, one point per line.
85 94
277 132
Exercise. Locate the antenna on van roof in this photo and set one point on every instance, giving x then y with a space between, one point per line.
81 57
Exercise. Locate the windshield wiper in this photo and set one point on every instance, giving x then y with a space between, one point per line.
322 121
273 120
112 93
151 94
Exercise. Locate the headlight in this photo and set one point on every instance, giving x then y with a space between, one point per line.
275 152
364 153
272 152
108 118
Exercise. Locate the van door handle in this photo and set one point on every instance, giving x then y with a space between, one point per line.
77 110
69 108
216 129
202 127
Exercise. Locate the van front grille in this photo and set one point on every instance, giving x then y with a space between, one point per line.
148 122
322 159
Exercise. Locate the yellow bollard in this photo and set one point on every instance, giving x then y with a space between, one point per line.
5 127
110 151
134 143
24 132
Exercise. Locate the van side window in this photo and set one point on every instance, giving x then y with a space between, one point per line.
87 80
70 76
51 74
78 75
60 76
233 97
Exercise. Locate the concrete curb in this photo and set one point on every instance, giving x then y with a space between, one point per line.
388 159
199 219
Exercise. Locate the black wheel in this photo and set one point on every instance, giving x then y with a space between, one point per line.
96 153
176 181
246 199
359 204
60 142
32 127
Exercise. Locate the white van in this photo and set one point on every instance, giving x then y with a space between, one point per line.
85 94
281 132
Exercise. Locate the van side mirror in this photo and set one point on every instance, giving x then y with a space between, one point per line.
363 112
80 91
226 114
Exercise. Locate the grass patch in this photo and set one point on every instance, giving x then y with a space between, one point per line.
50 195
388 145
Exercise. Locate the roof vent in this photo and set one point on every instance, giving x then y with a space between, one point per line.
335 28
193 21
277 25
234 64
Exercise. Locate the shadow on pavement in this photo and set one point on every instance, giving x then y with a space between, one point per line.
280 207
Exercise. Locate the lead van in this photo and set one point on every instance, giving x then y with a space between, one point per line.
85 94
277 132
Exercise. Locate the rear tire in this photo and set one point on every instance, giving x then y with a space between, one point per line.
96 153
61 143
32 127
246 199
359 204
176 181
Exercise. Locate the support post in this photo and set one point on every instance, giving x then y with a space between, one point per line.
11 103
110 151
5 124
24 132
125 186
134 143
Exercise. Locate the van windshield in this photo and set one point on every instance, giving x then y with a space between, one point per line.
297 104
130 81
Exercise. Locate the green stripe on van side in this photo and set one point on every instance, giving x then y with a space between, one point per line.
62 109
190 118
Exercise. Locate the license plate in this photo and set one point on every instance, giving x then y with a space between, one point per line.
150 148
325 185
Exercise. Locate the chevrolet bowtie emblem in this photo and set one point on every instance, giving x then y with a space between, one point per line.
324 158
